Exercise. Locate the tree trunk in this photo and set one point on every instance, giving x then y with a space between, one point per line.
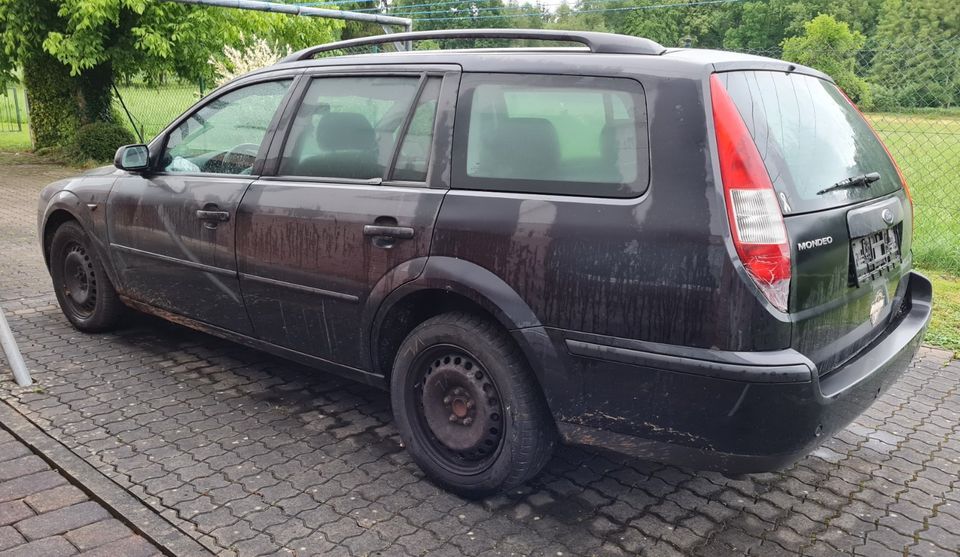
95 94
61 103
49 89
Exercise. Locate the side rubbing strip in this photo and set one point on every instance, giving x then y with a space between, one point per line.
797 373
301 288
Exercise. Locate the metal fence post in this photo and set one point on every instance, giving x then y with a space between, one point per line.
16 105
20 373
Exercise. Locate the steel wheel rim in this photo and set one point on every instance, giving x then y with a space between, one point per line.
78 281
457 409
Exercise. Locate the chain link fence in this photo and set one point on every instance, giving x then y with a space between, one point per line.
910 96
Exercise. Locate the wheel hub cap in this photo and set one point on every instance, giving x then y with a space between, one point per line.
78 278
461 407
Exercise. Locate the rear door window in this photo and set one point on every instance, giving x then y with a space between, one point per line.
810 137
349 127
568 135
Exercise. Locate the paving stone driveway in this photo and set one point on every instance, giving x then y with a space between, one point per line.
42 514
253 455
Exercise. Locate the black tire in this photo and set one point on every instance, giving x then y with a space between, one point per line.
468 407
85 293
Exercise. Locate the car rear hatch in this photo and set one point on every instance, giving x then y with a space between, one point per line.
845 207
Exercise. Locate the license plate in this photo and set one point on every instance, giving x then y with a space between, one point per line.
874 254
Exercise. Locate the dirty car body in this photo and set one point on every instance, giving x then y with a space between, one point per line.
633 295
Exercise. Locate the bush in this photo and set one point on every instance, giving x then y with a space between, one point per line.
99 141
885 99
831 47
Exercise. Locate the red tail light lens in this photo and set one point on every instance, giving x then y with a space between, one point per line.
756 222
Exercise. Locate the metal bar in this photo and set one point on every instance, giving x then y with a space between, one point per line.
295 9
20 373
605 43
139 132
16 104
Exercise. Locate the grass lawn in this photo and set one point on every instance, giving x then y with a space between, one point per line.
15 140
927 148
945 328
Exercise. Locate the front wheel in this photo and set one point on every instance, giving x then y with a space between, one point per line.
84 291
468 407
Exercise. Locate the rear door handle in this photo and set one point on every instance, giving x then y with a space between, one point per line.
216 216
398 232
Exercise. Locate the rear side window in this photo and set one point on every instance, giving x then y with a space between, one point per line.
810 137
349 127
567 135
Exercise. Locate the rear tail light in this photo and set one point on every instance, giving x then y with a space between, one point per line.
903 181
756 222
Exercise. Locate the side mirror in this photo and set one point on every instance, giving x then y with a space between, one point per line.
134 158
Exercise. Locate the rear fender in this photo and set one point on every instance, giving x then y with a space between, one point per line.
489 292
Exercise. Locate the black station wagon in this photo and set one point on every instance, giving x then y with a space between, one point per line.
691 256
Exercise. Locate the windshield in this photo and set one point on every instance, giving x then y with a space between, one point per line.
810 138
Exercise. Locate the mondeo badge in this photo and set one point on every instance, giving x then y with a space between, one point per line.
815 243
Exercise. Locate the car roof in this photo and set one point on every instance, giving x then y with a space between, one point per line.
688 62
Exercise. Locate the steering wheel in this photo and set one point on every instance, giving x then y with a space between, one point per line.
233 157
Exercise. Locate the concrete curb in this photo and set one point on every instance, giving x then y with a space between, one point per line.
127 508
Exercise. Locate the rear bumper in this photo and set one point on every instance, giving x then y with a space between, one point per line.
726 411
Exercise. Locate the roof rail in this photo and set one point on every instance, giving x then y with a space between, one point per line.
601 43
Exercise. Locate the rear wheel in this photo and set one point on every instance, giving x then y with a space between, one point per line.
468 408
84 291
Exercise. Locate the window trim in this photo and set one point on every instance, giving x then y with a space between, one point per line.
405 127
282 135
460 180
160 142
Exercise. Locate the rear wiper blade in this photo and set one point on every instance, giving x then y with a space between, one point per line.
863 180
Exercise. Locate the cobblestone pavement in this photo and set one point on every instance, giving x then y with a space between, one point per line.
253 455
42 514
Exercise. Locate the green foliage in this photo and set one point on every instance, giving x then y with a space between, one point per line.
48 89
918 61
831 47
72 51
99 141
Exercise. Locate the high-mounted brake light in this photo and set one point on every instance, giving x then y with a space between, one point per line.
756 223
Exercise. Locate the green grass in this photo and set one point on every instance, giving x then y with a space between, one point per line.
927 148
15 140
944 329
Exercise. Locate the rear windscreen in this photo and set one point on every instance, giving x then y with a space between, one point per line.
810 138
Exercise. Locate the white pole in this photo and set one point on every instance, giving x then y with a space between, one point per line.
14 358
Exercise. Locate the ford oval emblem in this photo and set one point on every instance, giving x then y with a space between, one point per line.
887 216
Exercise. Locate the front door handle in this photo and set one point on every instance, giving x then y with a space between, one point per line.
215 216
398 232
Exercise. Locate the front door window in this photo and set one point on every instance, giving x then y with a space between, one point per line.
224 136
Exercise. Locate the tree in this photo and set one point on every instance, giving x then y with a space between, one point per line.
831 47
917 65
72 51
451 14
